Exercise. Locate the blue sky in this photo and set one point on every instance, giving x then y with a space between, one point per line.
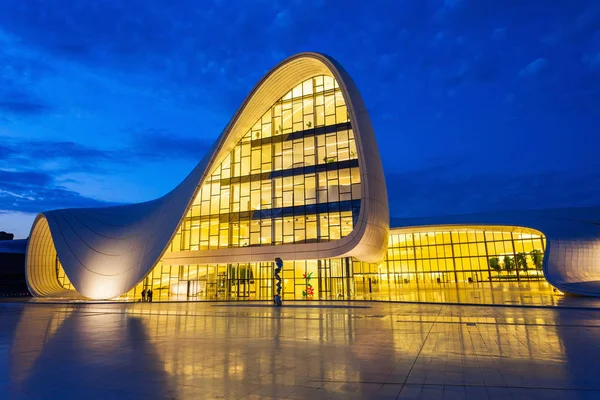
477 105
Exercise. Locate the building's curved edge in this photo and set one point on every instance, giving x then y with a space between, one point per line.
572 253
375 209
107 251
572 263
368 240
43 282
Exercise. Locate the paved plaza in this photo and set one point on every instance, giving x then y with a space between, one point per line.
305 350
537 293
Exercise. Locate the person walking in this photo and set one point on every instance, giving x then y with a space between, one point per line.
150 295
143 295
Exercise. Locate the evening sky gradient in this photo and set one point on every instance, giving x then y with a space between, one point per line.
477 105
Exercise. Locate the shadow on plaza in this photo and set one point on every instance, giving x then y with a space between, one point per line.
64 353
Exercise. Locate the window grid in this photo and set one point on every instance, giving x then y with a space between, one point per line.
302 152
62 277
425 259
464 257
246 281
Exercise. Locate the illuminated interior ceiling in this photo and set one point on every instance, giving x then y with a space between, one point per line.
42 263
106 251
460 227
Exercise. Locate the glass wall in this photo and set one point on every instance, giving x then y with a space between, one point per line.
62 277
416 261
310 279
293 178
427 259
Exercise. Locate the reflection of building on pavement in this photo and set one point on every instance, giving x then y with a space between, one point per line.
83 349
36 326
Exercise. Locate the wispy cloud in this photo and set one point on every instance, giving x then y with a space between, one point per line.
18 73
38 178
143 146
592 60
499 33
33 192
534 67
22 107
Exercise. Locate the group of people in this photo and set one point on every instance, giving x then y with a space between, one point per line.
147 295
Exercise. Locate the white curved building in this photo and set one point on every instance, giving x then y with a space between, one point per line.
296 174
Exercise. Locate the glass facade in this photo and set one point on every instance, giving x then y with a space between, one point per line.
467 263
459 258
63 279
309 279
427 259
292 178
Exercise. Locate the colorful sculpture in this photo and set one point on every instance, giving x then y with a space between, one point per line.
278 267
310 290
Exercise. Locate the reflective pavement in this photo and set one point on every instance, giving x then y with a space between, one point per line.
538 293
312 350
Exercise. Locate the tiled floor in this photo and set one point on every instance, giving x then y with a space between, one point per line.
336 350
522 293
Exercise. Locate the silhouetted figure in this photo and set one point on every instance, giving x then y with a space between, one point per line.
150 295
143 295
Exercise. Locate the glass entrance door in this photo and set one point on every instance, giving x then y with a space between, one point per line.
265 278
242 280
324 277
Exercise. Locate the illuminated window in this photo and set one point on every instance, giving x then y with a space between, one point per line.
284 140
467 256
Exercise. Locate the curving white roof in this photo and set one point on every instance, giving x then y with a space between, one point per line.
107 251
